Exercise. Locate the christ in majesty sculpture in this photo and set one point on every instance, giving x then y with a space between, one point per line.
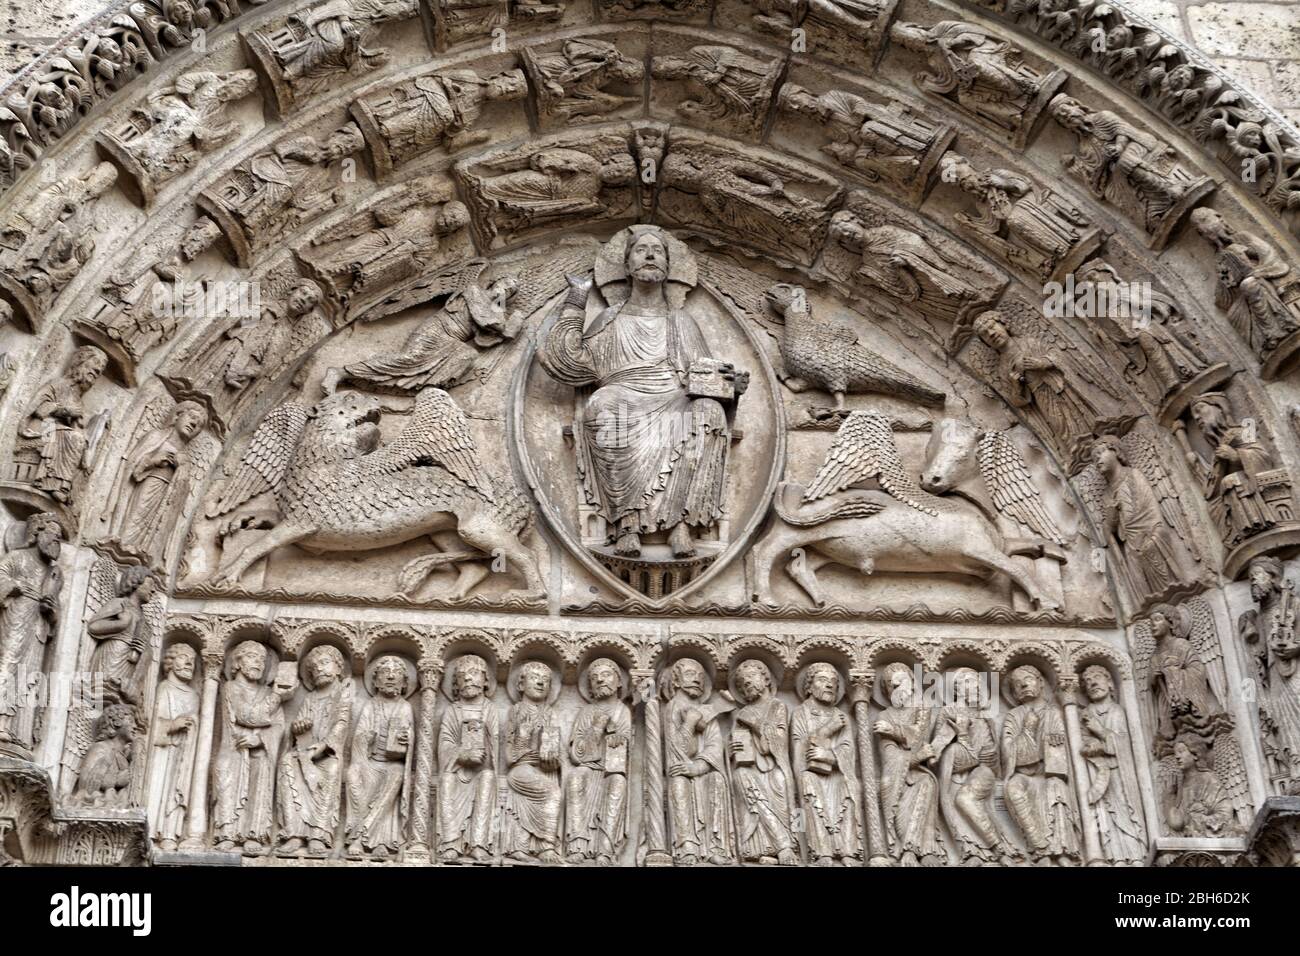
652 440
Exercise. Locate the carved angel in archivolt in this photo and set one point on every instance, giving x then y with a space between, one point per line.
1061 391
1178 657
167 456
123 622
467 336
1134 502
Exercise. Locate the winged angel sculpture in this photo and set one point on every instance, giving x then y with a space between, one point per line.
338 487
1202 777
894 526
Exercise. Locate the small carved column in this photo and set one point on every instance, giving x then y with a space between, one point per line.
1068 689
420 849
877 849
61 664
653 820
1137 736
196 823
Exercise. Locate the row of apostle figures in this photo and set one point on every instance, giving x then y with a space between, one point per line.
743 777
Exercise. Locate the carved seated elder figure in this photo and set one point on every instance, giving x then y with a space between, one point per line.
652 446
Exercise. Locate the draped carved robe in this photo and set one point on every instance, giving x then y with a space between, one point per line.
830 796
172 767
596 789
647 452
763 779
311 770
532 813
378 777
467 795
253 714
1113 792
698 803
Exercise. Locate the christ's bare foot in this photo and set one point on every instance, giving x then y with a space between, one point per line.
628 545
680 541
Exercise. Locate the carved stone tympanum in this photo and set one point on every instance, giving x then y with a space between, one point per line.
503 433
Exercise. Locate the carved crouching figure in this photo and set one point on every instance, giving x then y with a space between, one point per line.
897 528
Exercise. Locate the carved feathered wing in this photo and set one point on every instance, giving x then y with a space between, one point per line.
1011 486
445 282
542 280
437 433
864 449
1022 319
80 734
265 459
1146 457
1144 645
1090 485
1205 638
1231 771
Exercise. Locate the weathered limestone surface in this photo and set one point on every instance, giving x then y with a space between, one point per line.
559 434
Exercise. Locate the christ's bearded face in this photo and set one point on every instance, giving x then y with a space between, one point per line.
647 259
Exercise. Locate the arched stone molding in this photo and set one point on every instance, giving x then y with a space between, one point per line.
909 216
